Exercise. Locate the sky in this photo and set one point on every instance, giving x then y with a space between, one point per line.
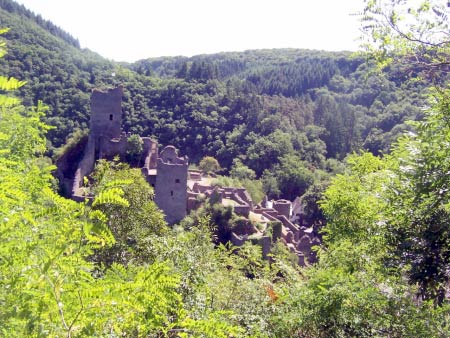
137 29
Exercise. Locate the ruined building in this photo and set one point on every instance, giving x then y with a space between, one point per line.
299 240
177 189
171 184
167 172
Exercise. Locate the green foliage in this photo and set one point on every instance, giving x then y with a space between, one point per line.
293 177
381 227
418 203
134 148
414 32
253 187
209 164
221 217
284 114
133 214
334 302
312 214
215 280
241 171
48 287
7 84
289 179
76 138
267 151
270 184
386 237
352 202
276 227
257 106
416 198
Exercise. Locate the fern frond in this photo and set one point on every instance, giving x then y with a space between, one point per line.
212 327
97 215
97 230
8 101
118 183
10 84
111 196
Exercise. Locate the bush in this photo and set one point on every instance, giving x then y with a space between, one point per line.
209 164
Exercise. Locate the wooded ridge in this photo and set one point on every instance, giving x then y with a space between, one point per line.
361 140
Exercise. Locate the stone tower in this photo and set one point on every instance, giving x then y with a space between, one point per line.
106 113
105 125
171 184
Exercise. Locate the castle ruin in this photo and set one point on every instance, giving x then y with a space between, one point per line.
177 189
167 172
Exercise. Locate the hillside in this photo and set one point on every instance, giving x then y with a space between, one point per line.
286 115
214 104
373 241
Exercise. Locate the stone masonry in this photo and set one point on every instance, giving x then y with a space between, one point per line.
177 190
166 173
171 184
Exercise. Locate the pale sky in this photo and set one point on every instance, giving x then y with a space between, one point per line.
137 29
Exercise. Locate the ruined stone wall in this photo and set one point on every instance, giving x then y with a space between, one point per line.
106 113
171 185
150 154
195 175
109 148
192 202
85 167
283 207
286 223
67 166
237 240
201 188
242 210
150 150
105 124
244 195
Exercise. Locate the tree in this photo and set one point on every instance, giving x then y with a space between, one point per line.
356 289
415 33
209 164
387 218
134 148
48 287
293 177
419 202
241 171
131 224
352 203
270 184
418 32
267 151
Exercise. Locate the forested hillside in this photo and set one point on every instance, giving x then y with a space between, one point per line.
322 104
287 115
289 118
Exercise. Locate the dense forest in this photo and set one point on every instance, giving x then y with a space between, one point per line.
286 120
275 111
